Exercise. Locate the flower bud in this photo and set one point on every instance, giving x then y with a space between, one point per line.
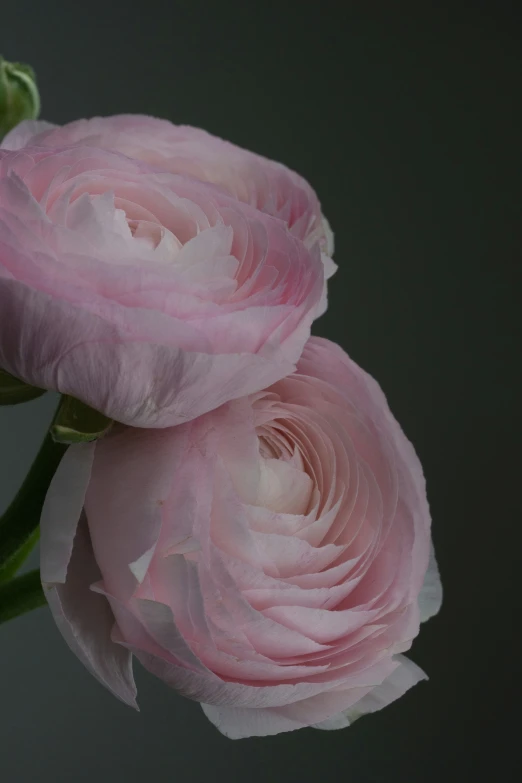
19 98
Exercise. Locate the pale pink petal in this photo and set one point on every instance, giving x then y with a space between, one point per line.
430 596
249 177
242 722
62 510
23 133
237 723
85 620
125 525
211 689
65 348
394 686
321 625
195 600
293 556
159 622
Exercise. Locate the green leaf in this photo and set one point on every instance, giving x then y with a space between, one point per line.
75 422
14 391
21 595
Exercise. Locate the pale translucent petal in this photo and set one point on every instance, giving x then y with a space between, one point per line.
430 596
85 620
401 680
62 509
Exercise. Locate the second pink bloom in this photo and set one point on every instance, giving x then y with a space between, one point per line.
270 559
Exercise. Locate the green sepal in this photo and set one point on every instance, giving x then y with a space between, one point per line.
76 422
19 97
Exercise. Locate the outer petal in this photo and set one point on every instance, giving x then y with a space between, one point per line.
401 680
65 348
131 480
23 133
251 178
62 510
83 617
430 597
209 688
240 722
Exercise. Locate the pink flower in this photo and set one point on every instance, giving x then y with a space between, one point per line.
270 559
148 295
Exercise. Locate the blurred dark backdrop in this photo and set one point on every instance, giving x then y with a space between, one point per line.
403 117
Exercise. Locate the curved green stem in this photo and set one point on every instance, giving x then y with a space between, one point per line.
19 523
13 565
21 595
74 422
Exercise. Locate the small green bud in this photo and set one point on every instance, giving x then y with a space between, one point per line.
19 97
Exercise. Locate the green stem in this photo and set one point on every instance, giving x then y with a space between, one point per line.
19 523
21 595
13 565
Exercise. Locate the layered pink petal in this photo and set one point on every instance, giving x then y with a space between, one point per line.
150 296
251 178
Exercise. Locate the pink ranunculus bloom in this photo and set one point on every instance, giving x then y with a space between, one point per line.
181 149
151 296
271 559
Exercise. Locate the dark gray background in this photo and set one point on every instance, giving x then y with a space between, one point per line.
403 119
